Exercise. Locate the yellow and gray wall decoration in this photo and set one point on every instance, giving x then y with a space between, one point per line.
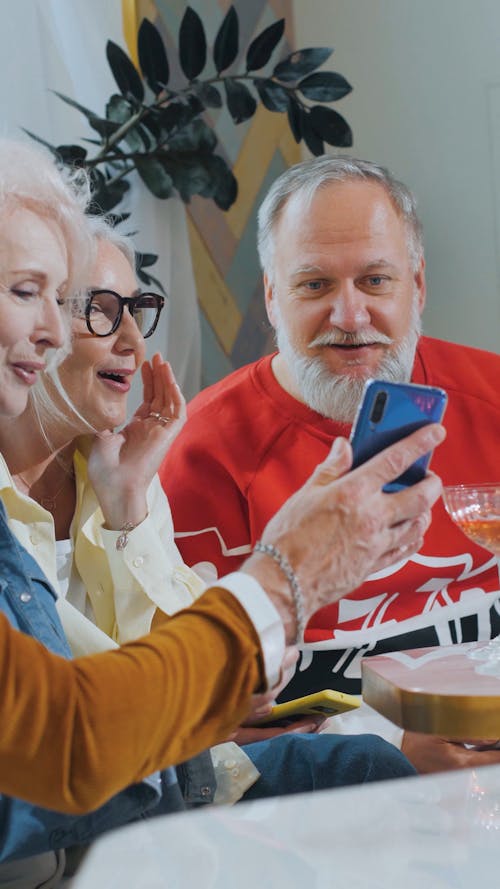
223 244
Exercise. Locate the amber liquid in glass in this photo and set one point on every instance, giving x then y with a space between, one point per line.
486 532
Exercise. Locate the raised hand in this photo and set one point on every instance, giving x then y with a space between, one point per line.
123 464
341 526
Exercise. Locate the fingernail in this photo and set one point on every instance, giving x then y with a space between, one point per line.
436 433
337 447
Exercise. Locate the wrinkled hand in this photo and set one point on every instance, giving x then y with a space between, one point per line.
429 753
262 704
123 464
341 526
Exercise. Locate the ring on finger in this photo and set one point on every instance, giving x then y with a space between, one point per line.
159 418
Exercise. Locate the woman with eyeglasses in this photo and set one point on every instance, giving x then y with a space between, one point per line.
104 531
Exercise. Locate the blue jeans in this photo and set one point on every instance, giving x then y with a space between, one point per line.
298 763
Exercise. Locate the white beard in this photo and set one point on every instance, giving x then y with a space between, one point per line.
337 396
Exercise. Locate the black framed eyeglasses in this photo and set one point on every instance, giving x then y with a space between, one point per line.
104 311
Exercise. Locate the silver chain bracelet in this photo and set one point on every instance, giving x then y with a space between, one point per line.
298 599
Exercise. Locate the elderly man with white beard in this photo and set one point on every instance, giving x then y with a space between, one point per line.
341 250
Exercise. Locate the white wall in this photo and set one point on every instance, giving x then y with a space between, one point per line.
426 103
60 44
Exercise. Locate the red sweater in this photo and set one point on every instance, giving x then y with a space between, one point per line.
248 445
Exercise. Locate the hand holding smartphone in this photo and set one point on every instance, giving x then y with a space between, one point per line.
389 412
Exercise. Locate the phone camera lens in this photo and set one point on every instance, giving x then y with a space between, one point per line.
378 407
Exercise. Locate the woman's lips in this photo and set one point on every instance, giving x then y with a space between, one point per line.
117 380
27 371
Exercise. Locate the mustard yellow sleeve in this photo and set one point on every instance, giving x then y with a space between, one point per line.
75 732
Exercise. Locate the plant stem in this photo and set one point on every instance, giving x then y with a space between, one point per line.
103 154
122 131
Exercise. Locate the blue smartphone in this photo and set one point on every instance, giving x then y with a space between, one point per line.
389 412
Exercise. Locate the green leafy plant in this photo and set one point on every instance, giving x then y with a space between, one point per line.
164 133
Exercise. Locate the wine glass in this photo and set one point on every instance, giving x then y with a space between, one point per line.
476 511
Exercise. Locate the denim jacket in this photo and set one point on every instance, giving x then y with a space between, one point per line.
28 601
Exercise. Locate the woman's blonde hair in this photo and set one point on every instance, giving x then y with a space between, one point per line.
31 178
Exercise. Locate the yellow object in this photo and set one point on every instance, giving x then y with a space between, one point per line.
130 16
214 295
321 703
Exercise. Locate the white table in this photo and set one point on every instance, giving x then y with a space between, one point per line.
434 832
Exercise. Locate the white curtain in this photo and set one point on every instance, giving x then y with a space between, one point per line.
60 44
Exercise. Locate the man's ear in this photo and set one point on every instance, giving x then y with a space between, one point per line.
270 301
421 285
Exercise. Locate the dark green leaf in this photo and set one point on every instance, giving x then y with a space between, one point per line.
88 114
152 56
118 109
105 196
260 49
273 96
134 140
147 139
295 119
115 219
331 126
324 86
240 102
154 176
189 175
101 125
225 186
177 114
192 44
41 141
313 141
226 41
208 95
194 103
126 75
105 128
147 259
196 136
151 122
300 63
150 280
74 155
66 154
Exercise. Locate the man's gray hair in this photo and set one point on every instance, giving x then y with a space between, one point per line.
303 180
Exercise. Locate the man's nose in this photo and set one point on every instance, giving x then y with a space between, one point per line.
349 310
